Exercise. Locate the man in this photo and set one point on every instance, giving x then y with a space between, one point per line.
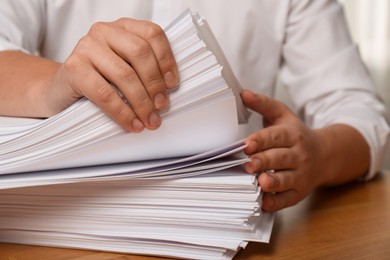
83 47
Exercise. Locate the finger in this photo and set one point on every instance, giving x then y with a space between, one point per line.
117 71
137 52
273 159
267 138
269 108
158 40
278 181
278 201
93 86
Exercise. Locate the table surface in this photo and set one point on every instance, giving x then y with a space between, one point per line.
347 222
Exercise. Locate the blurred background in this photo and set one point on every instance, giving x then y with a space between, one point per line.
369 23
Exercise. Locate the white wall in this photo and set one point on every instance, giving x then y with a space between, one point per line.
369 22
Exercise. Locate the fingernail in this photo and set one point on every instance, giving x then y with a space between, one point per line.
154 120
252 146
170 80
137 125
248 167
160 101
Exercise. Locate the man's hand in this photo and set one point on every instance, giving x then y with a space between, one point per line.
294 160
285 146
133 55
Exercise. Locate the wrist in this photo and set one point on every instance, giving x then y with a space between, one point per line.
344 154
324 155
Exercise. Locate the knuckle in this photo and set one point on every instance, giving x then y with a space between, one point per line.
167 61
305 159
155 84
82 51
142 103
124 115
72 64
274 138
123 20
258 143
265 161
98 27
298 136
152 30
293 159
284 156
277 182
125 74
84 45
105 94
141 49
124 111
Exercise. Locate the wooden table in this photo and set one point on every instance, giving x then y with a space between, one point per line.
347 222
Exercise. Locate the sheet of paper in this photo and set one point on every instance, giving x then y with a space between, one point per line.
78 180
127 170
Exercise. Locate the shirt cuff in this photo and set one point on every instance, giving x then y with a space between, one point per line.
360 110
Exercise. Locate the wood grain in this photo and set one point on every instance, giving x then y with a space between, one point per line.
346 222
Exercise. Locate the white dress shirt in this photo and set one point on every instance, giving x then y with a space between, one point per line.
305 42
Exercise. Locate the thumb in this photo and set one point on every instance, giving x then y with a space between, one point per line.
269 108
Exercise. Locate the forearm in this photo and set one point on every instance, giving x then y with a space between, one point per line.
23 82
345 155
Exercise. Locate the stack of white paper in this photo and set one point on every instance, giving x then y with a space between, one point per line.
78 180
204 217
211 161
204 114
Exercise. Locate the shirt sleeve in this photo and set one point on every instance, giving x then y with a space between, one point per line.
22 25
326 78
